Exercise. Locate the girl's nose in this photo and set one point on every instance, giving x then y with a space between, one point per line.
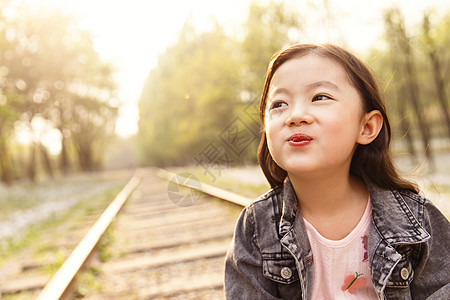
299 116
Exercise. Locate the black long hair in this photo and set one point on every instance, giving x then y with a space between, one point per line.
371 162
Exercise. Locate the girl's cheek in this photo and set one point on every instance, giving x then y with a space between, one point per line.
271 132
274 116
269 120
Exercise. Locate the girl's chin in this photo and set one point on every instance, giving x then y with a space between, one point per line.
303 169
300 166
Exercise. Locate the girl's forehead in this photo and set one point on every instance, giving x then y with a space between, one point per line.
315 65
307 70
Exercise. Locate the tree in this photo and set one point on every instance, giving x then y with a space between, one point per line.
9 104
188 99
400 47
51 69
93 126
267 31
7 117
433 45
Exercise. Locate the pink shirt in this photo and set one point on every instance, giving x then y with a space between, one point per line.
337 263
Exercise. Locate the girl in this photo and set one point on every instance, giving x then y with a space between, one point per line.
339 222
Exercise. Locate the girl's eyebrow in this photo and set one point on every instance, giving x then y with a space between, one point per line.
322 83
278 90
310 86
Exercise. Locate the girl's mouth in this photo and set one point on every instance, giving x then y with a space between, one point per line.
299 139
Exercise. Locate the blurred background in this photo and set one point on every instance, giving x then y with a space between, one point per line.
90 90
95 85
99 85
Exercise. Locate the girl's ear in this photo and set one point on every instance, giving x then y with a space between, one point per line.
373 121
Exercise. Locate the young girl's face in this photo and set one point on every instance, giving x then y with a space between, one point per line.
314 117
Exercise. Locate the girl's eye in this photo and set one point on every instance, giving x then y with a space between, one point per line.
278 104
321 98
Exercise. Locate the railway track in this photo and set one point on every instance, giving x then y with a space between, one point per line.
168 241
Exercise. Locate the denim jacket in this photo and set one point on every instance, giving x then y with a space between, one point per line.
270 256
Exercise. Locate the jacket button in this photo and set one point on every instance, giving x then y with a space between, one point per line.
286 272
404 273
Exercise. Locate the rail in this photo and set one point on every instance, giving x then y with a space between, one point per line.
61 283
204 188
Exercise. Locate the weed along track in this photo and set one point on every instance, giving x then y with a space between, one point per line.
166 238
30 256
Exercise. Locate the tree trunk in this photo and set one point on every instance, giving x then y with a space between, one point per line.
85 158
402 50
411 85
413 89
407 133
6 170
31 173
437 72
46 160
440 87
64 164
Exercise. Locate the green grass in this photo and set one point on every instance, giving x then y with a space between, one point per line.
48 243
56 227
87 282
28 195
21 296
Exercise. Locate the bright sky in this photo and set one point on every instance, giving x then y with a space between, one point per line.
131 33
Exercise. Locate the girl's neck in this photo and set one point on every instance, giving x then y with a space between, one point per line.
332 204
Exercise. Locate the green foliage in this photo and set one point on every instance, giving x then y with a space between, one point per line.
204 82
267 31
50 71
413 68
189 98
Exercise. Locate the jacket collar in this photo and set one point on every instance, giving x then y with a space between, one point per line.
294 238
292 228
393 219
290 207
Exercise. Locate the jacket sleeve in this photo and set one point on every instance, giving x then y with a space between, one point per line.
244 277
433 272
